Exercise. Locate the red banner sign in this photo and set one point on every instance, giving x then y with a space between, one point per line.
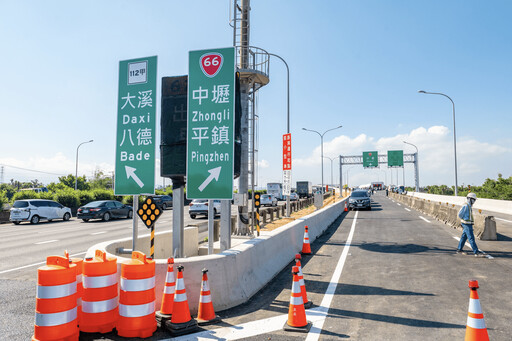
287 151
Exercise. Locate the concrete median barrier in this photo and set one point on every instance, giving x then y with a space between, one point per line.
447 212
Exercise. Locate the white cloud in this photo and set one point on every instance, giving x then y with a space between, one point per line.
263 164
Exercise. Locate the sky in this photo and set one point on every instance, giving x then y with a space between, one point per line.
358 64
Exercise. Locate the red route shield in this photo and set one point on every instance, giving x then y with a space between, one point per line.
211 63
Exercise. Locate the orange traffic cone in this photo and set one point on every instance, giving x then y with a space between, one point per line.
346 206
306 248
164 314
181 321
307 304
205 313
296 314
475 326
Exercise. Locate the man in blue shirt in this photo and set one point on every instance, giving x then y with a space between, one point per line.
466 217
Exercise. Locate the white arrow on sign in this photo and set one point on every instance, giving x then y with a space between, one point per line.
214 173
130 171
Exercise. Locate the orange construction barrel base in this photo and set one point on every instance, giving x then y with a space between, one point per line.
99 322
136 326
51 334
304 329
177 329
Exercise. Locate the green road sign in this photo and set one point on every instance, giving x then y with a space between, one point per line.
211 124
135 142
370 159
395 158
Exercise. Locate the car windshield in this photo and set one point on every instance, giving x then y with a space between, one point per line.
20 204
359 194
265 197
95 204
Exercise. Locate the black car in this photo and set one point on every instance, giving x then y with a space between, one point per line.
359 199
105 210
163 201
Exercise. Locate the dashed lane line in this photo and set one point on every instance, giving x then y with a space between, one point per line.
95 233
34 264
467 244
398 204
47 241
428 221
254 328
408 210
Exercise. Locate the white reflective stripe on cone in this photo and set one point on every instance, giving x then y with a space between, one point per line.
55 319
137 284
92 282
205 286
476 323
180 285
474 306
205 299
180 297
56 291
301 282
296 300
169 289
78 278
136 310
169 278
296 288
99 306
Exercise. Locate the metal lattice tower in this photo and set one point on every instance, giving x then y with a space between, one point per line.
253 65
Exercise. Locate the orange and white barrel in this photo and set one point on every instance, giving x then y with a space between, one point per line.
100 297
137 297
79 286
56 306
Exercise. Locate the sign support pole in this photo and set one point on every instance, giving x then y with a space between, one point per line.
178 223
225 225
152 244
135 225
211 217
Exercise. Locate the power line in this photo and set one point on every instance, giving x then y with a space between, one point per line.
32 170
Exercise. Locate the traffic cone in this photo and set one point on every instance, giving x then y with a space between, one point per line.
475 326
205 313
307 304
306 248
296 314
164 314
181 322
346 206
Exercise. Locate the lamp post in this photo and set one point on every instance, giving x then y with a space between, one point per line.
76 164
332 159
349 168
416 168
322 149
454 136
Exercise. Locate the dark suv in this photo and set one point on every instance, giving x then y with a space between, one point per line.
359 199
163 201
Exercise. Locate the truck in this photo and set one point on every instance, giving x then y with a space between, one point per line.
275 189
377 186
304 189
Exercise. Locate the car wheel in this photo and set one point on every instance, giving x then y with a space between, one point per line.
34 220
16 222
106 216
130 215
164 207
86 220
66 217
193 216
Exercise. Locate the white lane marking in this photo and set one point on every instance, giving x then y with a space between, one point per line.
428 221
254 328
318 321
408 210
398 204
95 233
34 264
47 241
469 246
508 221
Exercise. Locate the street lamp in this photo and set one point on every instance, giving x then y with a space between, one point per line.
454 136
332 159
322 149
416 169
76 165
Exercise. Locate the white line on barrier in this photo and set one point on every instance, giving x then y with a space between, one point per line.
95 233
428 221
47 241
254 328
408 210
34 264
467 244
508 221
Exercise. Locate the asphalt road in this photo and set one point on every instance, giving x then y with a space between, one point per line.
384 274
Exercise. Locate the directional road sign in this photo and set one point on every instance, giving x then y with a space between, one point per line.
135 143
211 124
395 158
370 159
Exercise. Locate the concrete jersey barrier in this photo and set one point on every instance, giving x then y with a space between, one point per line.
235 275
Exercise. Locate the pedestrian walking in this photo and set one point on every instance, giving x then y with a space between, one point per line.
466 217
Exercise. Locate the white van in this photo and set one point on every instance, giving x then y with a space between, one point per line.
35 210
